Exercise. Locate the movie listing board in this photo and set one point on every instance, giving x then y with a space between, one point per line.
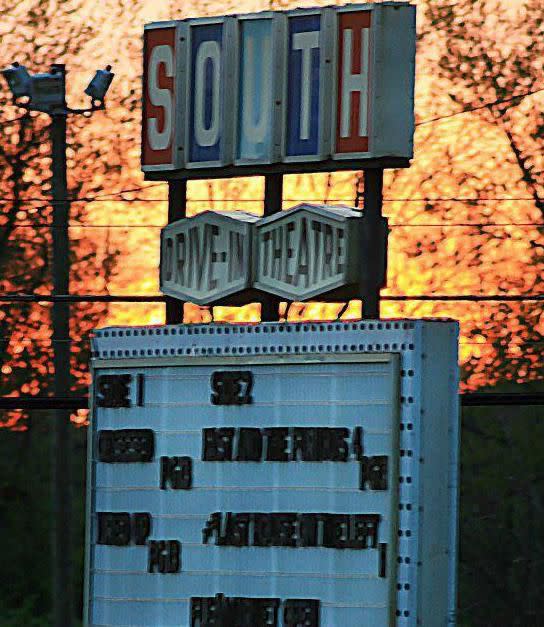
239 479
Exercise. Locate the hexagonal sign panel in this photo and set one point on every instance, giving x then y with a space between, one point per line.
207 258
309 251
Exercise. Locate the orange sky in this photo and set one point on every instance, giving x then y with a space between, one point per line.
465 156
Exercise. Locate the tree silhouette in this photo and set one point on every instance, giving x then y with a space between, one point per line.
37 34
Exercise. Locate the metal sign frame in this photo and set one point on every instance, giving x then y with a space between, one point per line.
277 104
226 129
344 284
428 433
390 95
235 291
179 99
379 86
325 83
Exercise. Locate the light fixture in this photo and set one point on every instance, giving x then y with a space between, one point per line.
99 85
47 90
18 80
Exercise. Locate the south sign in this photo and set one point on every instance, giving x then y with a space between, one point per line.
279 91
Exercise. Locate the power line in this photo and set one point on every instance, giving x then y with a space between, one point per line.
467 399
493 103
129 191
158 298
480 225
17 119
479 107
80 225
104 198
487 105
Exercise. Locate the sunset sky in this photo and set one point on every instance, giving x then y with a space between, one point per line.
463 218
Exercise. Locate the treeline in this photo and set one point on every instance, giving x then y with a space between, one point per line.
501 522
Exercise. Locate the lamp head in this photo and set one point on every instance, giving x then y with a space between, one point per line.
18 79
99 85
47 92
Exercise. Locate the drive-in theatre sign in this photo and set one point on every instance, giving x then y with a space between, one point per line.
308 251
320 89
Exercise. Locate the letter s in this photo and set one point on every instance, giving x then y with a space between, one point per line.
159 97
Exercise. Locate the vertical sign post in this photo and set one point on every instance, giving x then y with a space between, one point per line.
177 210
375 232
273 193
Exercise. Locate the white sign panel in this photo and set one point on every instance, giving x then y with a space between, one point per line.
163 99
309 250
259 84
208 125
208 257
295 476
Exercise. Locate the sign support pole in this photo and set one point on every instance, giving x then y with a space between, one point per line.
177 209
375 240
62 454
273 195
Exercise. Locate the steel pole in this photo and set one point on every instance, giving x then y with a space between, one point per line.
273 195
375 231
62 458
177 209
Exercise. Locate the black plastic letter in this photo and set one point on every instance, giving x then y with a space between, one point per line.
177 473
113 390
374 472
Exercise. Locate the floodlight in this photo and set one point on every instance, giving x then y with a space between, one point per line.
47 91
18 79
100 83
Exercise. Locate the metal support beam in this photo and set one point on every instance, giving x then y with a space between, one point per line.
375 244
468 399
177 209
63 565
273 196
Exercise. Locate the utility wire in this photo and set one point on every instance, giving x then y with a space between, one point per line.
483 106
81 225
487 105
17 119
435 119
467 399
105 197
157 298
90 199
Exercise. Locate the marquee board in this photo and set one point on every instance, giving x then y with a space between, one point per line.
277 474
287 91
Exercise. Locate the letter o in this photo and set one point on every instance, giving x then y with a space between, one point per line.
207 135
